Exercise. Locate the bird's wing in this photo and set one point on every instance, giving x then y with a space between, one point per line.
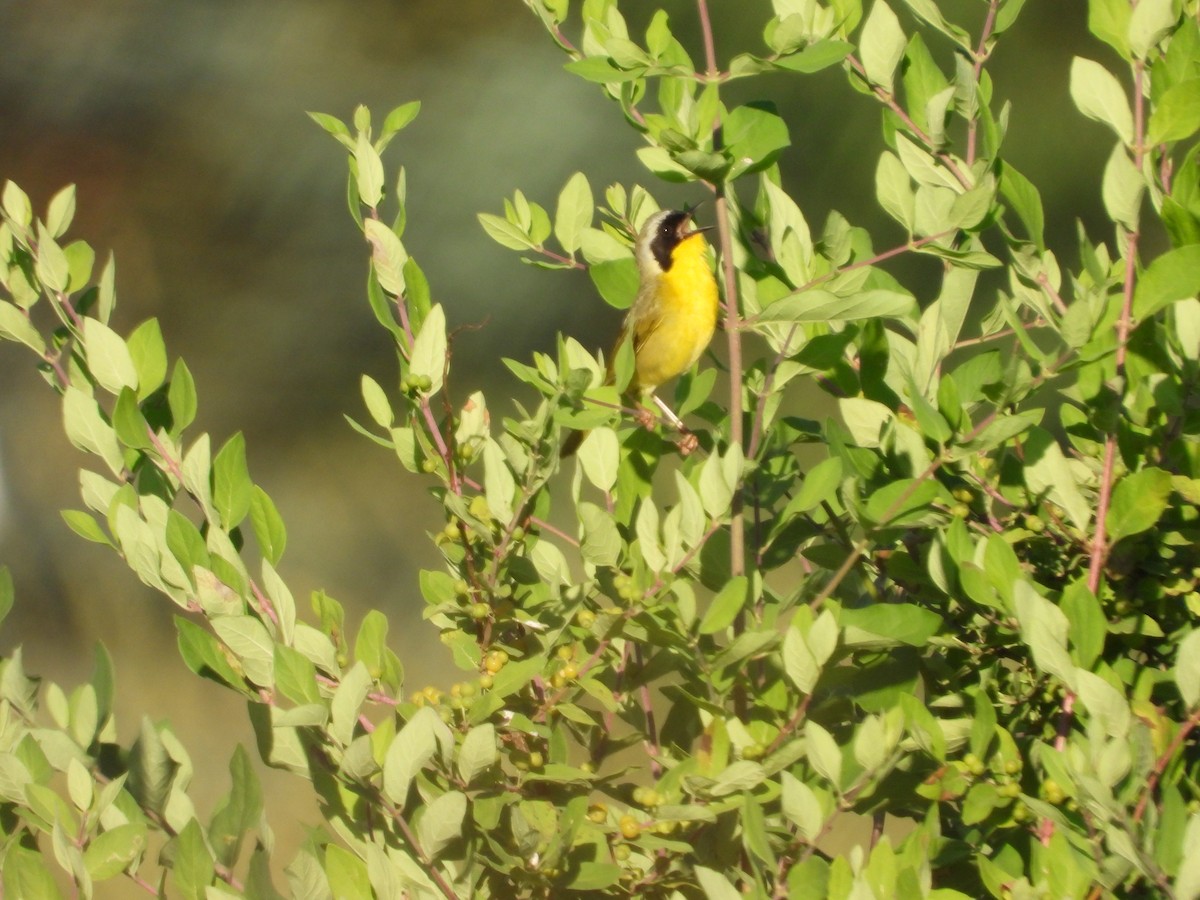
645 326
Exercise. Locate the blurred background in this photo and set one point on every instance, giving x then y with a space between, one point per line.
183 125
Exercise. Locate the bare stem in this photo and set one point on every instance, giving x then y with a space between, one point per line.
981 55
1099 550
889 100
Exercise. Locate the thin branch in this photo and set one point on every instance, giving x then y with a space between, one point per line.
1160 765
410 838
981 55
737 536
889 100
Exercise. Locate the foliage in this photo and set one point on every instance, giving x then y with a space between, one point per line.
964 614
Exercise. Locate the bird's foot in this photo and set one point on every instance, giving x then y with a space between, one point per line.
645 417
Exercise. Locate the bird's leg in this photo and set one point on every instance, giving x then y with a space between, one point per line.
687 441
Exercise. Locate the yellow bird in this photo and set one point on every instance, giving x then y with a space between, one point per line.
675 313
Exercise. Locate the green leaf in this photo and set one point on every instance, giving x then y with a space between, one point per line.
574 212
1048 472
25 874
181 397
726 605
85 526
16 204
369 168
377 403
410 750
599 455
1150 22
15 326
1122 188
268 526
186 543
477 753
248 639
719 476
715 885
129 423
149 354
755 134
112 851
1089 627
923 81
616 280
192 869
906 501
602 70
928 11
87 430
347 700
429 350
593 876
1187 670
240 810
893 188
881 45
388 256
601 543
335 127
823 306
399 118
1099 96
816 56
108 357
754 831
981 800
498 481
1104 702
347 874
823 753
1176 116
1138 501
203 655
801 806
1109 21
52 267
888 624
1020 192
505 233
1171 277
441 822
1044 629
1187 882
233 491
371 643
295 676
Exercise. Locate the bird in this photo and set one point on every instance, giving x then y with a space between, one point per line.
675 314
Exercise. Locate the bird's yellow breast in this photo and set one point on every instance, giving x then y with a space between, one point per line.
678 317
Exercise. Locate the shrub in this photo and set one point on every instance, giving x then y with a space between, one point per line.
964 614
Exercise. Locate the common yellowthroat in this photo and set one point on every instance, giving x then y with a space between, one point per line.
675 313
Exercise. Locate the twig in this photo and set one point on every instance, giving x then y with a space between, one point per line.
889 100
737 537
981 54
